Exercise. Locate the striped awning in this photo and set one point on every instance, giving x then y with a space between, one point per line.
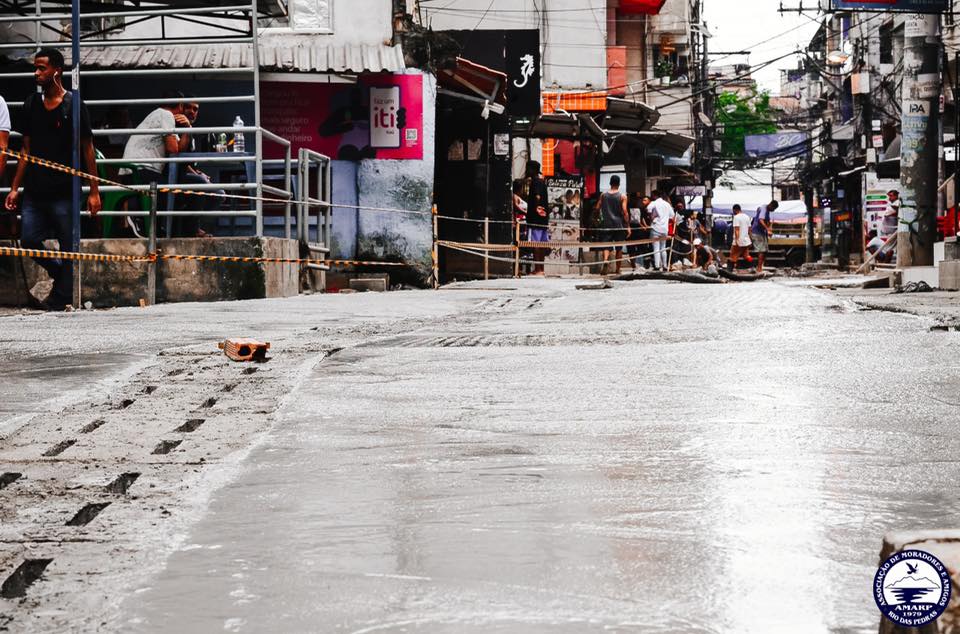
282 54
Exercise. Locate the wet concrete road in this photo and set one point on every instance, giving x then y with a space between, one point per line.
32 378
654 458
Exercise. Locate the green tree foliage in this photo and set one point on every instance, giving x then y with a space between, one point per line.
743 116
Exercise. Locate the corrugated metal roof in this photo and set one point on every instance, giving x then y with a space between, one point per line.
285 53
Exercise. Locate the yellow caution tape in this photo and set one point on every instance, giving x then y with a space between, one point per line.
561 244
482 246
66 169
99 257
69 255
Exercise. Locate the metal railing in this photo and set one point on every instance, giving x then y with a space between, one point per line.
46 17
316 164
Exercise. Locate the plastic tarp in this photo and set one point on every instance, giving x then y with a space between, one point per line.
789 212
310 15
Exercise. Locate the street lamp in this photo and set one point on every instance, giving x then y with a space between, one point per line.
837 58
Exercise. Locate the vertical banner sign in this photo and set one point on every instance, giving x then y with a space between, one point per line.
384 107
916 115
875 203
565 202
523 72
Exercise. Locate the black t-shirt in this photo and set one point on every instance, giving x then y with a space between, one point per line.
684 230
51 138
537 198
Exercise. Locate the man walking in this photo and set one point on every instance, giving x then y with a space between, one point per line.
760 231
661 213
47 198
741 237
615 220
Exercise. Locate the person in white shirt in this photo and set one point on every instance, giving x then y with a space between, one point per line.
891 218
4 134
158 146
661 213
741 237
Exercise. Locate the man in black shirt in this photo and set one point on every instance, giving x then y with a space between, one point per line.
538 220
47 197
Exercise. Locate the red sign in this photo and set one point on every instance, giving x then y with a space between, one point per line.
379 117
645 7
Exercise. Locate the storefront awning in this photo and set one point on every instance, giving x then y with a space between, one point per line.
623 114
475 81
284 54
565 126
660 141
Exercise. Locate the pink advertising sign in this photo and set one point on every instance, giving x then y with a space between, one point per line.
379 117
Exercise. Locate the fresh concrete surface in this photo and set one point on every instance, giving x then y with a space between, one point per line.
494 457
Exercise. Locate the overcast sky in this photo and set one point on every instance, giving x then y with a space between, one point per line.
741 24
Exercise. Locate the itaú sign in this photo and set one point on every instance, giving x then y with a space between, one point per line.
911 6
645 7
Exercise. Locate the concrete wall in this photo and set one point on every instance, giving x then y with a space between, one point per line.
573 34
109 284
344 222
400 185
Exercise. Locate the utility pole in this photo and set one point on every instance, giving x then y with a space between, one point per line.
703 120
919 169
956 143
76 198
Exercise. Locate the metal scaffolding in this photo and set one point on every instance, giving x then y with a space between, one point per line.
115 33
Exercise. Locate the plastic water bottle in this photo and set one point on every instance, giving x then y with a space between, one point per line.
239 144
